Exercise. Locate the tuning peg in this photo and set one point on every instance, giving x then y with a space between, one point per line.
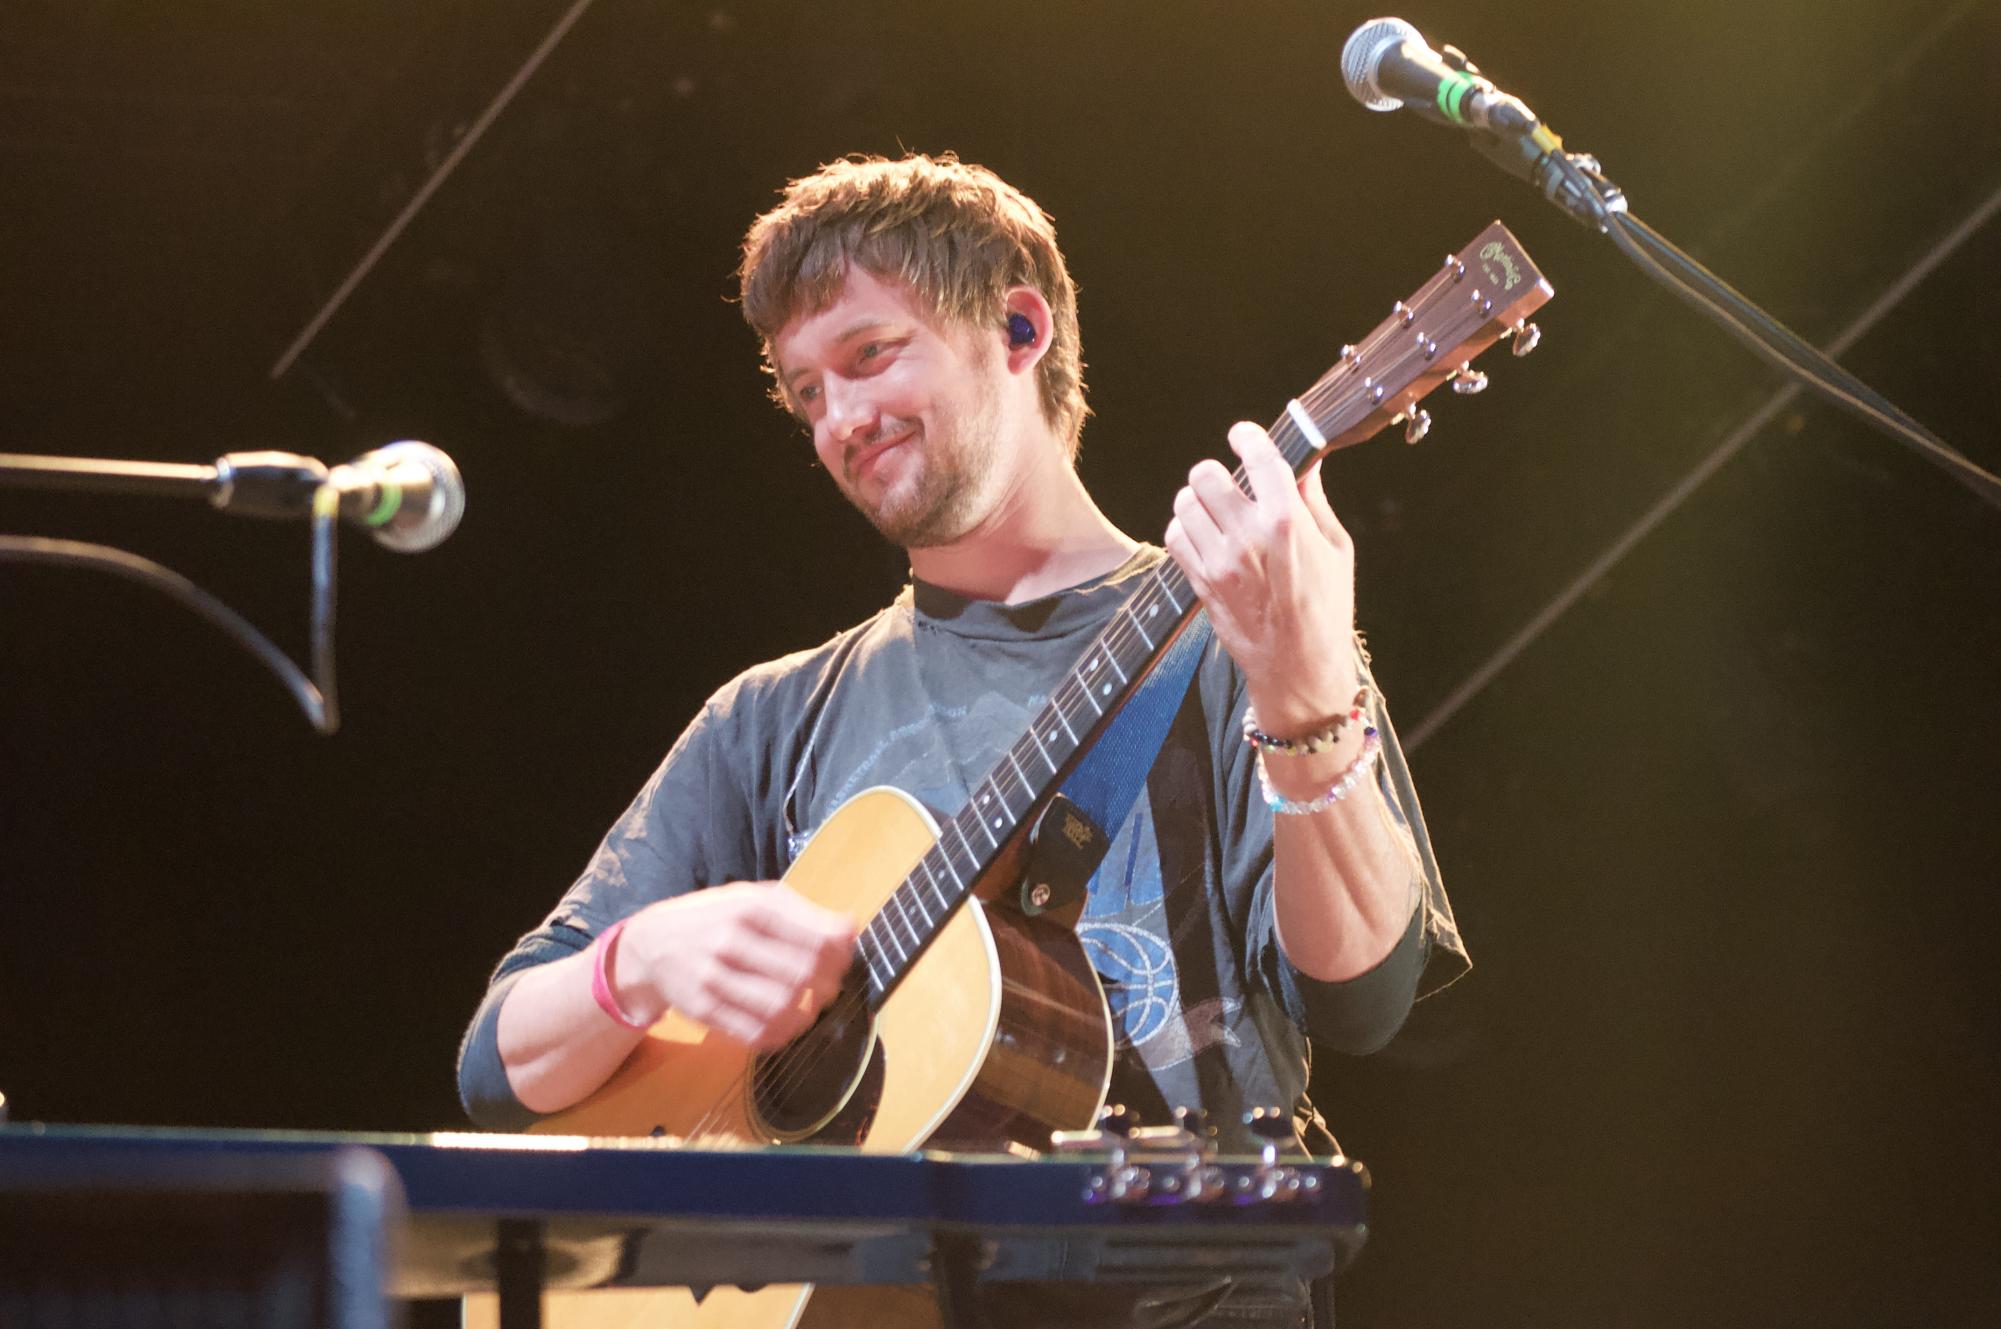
1467 380
1527 337
1416 425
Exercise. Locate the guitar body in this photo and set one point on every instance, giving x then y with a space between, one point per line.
999 1032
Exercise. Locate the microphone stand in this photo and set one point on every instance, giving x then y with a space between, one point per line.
261 484
1575 183
272 484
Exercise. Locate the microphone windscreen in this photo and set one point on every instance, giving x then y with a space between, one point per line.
1362 55
428 494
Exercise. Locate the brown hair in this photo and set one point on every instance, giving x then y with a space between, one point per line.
957 235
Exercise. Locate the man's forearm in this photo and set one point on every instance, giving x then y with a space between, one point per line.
751 961
1344 878
555 1043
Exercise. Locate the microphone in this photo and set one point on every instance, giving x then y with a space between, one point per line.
409 495
1387 64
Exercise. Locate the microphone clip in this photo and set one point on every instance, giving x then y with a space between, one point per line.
1573 181
1458 61
266 484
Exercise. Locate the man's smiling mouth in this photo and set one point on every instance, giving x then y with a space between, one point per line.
866 459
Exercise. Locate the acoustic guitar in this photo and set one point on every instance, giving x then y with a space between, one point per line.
969 1020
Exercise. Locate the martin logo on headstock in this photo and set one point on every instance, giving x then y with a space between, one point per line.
1499 265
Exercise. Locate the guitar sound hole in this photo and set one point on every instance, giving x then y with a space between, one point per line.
808 1085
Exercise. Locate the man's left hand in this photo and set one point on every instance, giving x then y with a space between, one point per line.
1276 570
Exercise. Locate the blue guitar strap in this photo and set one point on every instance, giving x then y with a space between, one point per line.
1109 777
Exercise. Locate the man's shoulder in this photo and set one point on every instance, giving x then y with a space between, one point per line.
798 675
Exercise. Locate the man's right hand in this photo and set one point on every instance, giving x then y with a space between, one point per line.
752 960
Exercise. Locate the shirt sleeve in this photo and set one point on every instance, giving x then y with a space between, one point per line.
1360 1014
690 826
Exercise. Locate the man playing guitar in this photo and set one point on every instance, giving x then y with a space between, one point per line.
920 322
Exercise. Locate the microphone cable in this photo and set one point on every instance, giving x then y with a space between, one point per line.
316 695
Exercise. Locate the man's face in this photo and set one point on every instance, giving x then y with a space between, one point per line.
905 413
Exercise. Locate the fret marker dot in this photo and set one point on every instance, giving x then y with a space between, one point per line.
1107 690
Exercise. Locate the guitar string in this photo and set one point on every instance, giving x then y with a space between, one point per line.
790 1064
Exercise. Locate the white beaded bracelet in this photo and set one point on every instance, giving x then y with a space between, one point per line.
1372 747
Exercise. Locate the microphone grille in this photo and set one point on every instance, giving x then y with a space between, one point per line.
434 505
1362 54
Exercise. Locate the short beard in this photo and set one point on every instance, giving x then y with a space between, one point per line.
938 519
952 493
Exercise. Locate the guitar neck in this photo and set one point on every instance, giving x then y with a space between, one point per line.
995 819
1480 295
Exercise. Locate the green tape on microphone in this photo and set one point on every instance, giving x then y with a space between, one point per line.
389 498
1452 94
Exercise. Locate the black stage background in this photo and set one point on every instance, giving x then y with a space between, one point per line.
1721 837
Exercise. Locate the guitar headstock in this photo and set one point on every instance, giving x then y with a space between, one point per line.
1483 293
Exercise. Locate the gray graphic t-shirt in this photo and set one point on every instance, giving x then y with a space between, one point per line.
926 696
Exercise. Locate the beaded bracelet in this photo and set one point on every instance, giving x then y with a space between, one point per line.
1318 741
1372 747
601 991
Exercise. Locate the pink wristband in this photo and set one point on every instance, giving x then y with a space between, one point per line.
601 985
